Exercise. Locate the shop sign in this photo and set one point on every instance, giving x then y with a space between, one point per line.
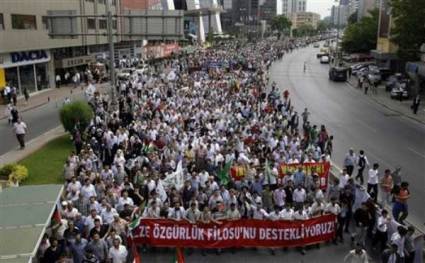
22 58
74 62
35 55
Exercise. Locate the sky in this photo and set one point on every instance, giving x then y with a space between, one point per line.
320 6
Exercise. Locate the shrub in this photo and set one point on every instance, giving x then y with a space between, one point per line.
14 171
76 112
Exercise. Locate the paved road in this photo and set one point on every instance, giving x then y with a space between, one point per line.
38 120
356 121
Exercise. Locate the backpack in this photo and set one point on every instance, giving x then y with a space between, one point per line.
362 161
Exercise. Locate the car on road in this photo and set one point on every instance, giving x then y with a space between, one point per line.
316 45
338 73
324 60
400 89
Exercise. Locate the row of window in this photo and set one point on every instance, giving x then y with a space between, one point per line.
29 22
114 2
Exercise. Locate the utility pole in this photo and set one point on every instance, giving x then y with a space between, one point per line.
111 49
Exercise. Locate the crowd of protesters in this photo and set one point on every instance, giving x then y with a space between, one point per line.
196 113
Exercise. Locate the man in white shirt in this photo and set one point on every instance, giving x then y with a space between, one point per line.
299 195
398 238
117 253
177 213
279 196
343 179
20 129
372 182
287 213
381 235
275 214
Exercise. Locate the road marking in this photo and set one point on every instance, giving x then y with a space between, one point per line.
418 153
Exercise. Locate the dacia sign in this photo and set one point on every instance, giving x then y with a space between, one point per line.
36 55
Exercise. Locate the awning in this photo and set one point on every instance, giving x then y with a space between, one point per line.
24 214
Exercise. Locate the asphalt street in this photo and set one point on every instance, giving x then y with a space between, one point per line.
356 121
38 120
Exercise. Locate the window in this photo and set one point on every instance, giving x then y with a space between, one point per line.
114 24
1 22
103 24
24 22
90 1
45 22
114 2
91 23
101 1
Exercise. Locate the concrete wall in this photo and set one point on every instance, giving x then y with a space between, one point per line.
27 39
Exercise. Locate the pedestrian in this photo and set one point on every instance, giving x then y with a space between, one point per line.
381 236
350 161
400 207
386 187
372 182
362 163
20 129
398 238
390 255
362 219
117 253
350 71
415 104
366 86
409 245
26 95
58 81
7 94
14 95
357 255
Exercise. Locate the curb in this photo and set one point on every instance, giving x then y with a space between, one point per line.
15 155
29 108
388 107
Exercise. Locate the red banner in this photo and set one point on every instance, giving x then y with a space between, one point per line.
322 169
239 233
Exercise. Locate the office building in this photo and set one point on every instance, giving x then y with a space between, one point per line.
304 18
339 15
30 58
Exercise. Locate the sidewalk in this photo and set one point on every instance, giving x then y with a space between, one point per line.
400 107
31 146
43 97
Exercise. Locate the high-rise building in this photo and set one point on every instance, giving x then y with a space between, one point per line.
292 6
339 15
365 6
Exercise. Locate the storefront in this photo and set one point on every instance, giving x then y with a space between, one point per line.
26 70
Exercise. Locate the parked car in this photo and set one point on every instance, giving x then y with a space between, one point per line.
400 89
392 81
324 60
358 67
316 45
338 73
373 75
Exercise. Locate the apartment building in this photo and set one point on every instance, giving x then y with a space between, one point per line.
30 58
304 18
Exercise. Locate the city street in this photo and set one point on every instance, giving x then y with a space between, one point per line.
39 120
356 121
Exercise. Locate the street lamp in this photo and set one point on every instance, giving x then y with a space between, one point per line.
111 48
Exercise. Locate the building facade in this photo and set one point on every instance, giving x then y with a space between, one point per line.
304 18
30 58
339 15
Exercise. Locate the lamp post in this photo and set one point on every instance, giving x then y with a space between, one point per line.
111 49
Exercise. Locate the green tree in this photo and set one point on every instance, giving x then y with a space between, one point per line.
304 30
280 23
76 114
409 27
323 25
361 36
352 19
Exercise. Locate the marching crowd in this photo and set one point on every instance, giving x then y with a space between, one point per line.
162 148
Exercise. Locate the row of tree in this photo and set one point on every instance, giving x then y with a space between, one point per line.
283 25
407 32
